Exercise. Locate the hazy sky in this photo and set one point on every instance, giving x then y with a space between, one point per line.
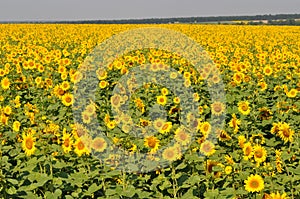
124 9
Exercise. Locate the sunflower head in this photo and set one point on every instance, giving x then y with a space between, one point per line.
254 183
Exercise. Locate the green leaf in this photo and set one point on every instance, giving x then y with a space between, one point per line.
166 184
129 192
93 188
59 165
13 181
110 192
42 179
181 166
228 193
12 191
189 194
192 180
211 194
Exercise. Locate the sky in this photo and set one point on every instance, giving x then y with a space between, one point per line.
23 10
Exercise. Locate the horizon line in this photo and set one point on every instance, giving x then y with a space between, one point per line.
138 19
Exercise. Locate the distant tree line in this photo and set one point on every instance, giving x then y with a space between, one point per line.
279 19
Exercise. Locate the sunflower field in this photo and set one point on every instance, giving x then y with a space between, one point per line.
81 121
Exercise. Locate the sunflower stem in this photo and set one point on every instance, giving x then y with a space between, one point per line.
174 182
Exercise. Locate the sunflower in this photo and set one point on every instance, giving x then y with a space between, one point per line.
86 118
61 69
187 75
133 148
28 143
215 79
158 123
187 83
205 128
196 97
286 133
144 122
254 183
101 74
5 83
238 77
277 195
173 110
265 113
173 75
171 153
140 105
257 139
7 110
182 137
263 85
248 151
4 119
292 93
65 85
17 101
67 142
176 100
152 142
207 148
275 128
229 159
103 84
278 161
64 76
217 108
78 130
2 72
80 148
200 109
90 109
234 123
116 101
162 100
267 70
38 80
67 99
244 108
99 144
58 91
166 127
223 135
49 82
16 126
76 77
209 168
164 91
259 154
111 124
228 170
